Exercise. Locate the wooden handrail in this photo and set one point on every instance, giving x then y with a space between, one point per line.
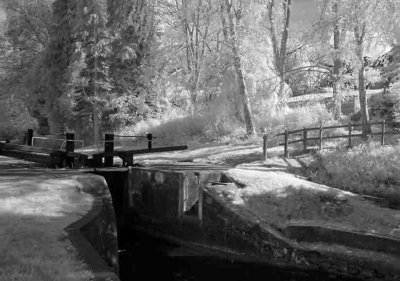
305 137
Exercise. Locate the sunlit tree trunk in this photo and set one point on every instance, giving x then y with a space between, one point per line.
359 32
337 107
280 49
233 42
196 23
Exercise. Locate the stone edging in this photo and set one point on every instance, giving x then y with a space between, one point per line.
312 233
97 187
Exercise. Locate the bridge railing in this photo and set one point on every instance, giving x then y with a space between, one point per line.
55 150
303 136
127 155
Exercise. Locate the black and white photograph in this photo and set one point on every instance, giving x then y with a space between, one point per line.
200 140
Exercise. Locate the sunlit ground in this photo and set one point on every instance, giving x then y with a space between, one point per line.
33 213
279 197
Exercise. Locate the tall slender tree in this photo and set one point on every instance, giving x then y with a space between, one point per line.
93 44
368 20
132 67
231 16
337 107
280 47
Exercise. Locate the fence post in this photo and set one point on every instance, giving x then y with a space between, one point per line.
69 147
149 141
304 139
286 154
320 136
265 144
108 147
29 136
70 144
383 132
350 132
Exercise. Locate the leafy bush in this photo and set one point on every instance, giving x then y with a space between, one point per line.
366 169
179 129
9 132
309 115
221 122
386 106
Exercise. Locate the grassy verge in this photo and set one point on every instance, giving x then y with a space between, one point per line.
33 213
280 198
367 169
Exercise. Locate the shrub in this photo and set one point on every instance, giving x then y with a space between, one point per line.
180 129
9 132
385 106
294 118
308 115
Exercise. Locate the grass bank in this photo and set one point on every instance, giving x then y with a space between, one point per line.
280 198
367 169
34 210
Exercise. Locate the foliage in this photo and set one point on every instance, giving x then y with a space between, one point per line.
133 27
180 129
308 115
23 38
385 106
365 169
95 66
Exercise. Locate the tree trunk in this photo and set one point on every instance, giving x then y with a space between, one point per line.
248 116
96 126
283 52
96 111
337 107
359 33
366 128
280 51
55 121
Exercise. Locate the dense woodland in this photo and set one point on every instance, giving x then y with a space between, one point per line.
208 68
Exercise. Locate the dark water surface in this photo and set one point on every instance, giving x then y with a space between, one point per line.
146 258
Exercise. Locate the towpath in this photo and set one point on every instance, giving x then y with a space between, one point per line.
36 206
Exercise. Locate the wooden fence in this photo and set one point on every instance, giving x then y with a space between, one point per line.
304 136
127 155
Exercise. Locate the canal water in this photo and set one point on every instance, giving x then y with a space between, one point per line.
146 258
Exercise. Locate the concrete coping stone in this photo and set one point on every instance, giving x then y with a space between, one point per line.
314 233
97 187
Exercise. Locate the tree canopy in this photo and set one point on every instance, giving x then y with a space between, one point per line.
94 66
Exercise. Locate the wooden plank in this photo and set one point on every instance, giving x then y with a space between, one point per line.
336 127
320 138
153 150
314 139
25 148
265 146
343 136
291 142
295 131
286 152
314 128
123 153
76 154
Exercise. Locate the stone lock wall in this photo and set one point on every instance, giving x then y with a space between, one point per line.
237 229
154 193
95 235
165 193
